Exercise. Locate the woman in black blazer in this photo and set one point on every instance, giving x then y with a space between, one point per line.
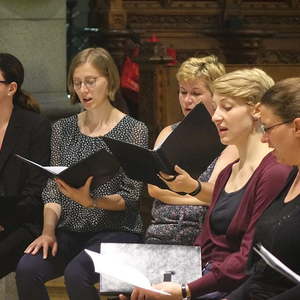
25 132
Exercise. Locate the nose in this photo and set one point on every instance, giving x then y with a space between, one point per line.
84 87
216 117
188 98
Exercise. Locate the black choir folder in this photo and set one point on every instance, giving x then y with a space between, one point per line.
101 165
192 145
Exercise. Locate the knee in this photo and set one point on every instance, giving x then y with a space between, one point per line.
26 268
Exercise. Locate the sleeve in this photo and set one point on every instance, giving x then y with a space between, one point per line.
290 294
51 194
131 190
30 206
228 274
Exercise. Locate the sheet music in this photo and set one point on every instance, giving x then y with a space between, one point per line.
111 266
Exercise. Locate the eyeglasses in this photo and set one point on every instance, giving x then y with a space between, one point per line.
3 81
266 129
89 83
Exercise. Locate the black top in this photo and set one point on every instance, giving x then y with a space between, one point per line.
225 210
278 231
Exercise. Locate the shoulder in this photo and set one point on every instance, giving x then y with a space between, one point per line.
132 122
270 168
65 122
31 119
163 135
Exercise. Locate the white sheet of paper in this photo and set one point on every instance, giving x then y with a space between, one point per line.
52 169
111 266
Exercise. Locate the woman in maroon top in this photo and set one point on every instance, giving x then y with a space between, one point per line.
242 191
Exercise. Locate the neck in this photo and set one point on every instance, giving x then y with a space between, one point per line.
5 112
99 115
252 151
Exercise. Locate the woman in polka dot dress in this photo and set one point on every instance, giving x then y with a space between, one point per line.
75 219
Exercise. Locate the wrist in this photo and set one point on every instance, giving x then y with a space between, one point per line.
185 291
197 188
92 202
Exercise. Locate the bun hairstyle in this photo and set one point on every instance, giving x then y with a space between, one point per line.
13 71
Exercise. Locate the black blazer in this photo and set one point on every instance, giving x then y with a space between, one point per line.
27 134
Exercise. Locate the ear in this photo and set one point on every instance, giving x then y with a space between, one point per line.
255 112
13 86
296 124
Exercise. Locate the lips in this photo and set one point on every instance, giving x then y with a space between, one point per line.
86 100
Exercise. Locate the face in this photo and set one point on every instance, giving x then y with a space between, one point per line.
90 86
233 120
280 138
192 92
5 92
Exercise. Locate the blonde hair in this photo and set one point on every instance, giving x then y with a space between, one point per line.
247 84
100 59
207 68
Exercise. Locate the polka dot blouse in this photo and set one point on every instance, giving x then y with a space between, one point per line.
69 146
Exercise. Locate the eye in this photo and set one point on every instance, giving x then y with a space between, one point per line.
227 107
196 94
183 92
77 83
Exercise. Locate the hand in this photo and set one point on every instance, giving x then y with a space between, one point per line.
43 241
80 195
1 228
183 182
141 294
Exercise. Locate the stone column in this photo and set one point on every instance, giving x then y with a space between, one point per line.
35 32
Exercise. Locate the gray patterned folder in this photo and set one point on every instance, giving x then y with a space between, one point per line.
158 263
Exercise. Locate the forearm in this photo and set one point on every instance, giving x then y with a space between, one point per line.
113 202
170 197
52 212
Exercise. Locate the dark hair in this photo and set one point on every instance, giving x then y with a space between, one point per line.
12 70
284 98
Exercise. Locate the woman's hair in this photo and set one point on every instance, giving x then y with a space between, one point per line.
12 70
207 68
100 59
246 84
284 98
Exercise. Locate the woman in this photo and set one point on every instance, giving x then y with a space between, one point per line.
178 219
277 229
75 219
242 190
23 131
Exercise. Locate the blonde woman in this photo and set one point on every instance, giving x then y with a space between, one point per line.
178 219
242 190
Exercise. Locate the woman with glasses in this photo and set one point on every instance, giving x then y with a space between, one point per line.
241 193
81 218
278 228
177 219
23 131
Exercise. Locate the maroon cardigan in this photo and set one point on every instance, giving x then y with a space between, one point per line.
229 253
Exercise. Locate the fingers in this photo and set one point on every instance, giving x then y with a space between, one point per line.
179 170
122 297
45 250
54 249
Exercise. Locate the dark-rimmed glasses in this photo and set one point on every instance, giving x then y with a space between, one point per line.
3 81
266 129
